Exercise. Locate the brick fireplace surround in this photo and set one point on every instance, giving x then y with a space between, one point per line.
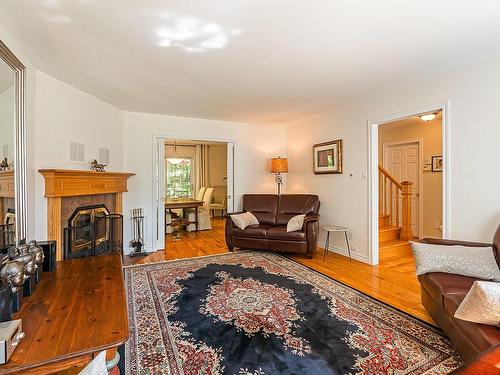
66 190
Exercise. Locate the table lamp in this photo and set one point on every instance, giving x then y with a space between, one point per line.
279 165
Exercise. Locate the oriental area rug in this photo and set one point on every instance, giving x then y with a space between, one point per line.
256 313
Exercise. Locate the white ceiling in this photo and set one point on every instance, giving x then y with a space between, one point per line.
256 61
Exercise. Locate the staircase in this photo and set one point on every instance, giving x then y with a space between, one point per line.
394 219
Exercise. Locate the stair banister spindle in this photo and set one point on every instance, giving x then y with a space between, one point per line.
397 206
390 200
403 192
406 231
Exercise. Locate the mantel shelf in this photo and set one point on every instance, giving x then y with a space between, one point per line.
68 182
7 187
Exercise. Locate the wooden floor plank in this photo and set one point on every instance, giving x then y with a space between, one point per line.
393 281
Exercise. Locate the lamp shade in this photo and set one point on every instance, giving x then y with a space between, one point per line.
279 165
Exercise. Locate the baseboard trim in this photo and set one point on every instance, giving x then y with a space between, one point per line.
343 252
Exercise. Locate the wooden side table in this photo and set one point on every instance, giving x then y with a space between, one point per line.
335 228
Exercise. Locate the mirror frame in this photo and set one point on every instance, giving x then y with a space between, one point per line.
21 198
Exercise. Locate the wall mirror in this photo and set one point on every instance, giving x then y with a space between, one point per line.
12 151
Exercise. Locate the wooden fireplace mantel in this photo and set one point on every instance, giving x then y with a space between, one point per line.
71 183
60 183
7 189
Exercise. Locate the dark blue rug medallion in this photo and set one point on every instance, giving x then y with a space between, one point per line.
260 313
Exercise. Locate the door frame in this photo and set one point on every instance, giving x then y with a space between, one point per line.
372 128
159 181
385 156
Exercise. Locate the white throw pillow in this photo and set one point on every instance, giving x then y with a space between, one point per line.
244 220
460 260
295 223
481 304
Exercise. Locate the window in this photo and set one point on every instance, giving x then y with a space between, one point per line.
179 172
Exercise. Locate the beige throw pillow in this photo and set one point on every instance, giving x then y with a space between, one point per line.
481 304
244 220
460 260
295 223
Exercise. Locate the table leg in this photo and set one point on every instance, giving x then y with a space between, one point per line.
196 218
112 359
348 245
327 245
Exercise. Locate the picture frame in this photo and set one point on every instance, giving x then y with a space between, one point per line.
437 163
327 157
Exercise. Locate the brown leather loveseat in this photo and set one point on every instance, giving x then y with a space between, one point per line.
441 295
273 212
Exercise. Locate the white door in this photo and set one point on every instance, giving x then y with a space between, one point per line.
402 161
230 177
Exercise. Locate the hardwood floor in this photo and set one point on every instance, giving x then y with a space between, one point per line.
393 281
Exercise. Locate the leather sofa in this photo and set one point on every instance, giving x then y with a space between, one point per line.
441 295
273 212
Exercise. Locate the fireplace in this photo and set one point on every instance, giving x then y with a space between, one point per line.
67 190
92 230
86 220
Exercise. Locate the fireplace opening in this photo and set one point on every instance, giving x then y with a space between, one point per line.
92 230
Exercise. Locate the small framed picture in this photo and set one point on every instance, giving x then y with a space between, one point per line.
327 157
437 163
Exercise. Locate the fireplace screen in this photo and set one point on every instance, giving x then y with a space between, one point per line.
91 231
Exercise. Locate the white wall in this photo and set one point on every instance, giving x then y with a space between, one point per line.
475 131
7 121
65 114
254 145
217 169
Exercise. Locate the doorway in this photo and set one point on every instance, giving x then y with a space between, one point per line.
408 180
194 186
402 159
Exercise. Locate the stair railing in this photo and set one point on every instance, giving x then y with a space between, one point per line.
390 194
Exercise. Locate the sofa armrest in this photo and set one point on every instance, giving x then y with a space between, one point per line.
311 218
440 241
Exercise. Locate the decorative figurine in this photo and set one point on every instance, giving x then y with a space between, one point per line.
12 272
4 165
96 166
26 257
39 256
30 268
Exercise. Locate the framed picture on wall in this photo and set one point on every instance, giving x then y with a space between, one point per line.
327 157
437 163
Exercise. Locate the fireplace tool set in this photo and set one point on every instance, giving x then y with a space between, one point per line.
138 232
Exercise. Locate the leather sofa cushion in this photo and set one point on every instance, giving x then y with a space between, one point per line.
263 206
439 284
291 205
482 336
280 232
256 231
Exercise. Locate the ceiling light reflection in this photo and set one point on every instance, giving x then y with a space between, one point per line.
191 34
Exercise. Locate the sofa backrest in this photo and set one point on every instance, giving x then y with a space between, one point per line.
290 205
263 206
273 209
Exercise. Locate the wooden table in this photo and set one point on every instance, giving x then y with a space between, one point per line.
184 203
75 313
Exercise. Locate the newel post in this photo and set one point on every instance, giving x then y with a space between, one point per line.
406 232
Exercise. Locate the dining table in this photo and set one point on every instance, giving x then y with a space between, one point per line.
184 204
